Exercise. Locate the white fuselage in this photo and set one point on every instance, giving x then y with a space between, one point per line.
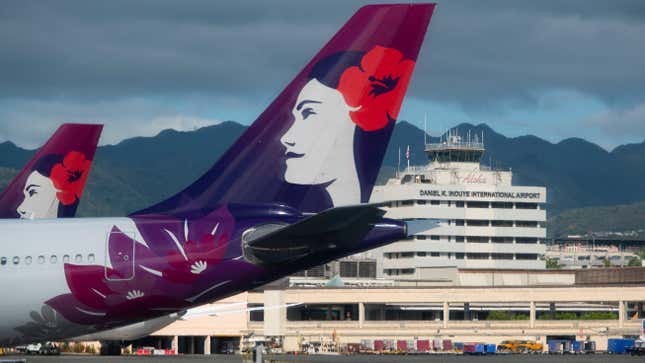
32 259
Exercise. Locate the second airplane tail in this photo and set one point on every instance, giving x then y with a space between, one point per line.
52 182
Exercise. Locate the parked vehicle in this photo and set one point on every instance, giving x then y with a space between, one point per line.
520 346
589 347
619 345
638 348
42 349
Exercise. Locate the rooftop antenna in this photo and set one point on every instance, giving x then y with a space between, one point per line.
425 128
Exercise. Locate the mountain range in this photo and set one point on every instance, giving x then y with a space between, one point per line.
142 170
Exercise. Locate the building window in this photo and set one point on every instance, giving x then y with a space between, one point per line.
41 259
317 271
434 202
526 224
421 254
526 206
3 261
435 254
91 258
459 204
459 222
406 254
502 256
502 239
501 223
421 202
434 238
28 260
367 269
477 239
53 259
65 258
502 205
348 269
459 256
526 240
16 260
477 223
459 238
477 256
421 237
407 203
526 256
256 312
478 204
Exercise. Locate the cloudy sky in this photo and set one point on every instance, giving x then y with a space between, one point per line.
555 69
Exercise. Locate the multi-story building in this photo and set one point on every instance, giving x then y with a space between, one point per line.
591 252
485 220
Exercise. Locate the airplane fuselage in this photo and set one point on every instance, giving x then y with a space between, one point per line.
68 278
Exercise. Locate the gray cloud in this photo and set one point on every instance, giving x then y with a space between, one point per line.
479 55
620 124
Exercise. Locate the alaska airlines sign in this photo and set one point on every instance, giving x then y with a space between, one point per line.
477 194
473 178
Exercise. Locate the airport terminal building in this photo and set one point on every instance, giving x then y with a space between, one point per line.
486 221
477 306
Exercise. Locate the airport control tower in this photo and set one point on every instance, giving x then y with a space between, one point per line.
487 222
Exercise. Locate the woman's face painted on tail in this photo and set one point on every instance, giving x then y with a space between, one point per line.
40 198
320 112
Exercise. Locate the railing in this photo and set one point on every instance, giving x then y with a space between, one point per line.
455 145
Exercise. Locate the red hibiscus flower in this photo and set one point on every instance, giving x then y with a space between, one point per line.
69 177
377 87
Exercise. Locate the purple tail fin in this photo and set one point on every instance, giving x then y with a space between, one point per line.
322 140
52 183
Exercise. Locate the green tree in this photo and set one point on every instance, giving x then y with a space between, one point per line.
498 315
641 253
520 316
599 315
566 315
553 263
635 261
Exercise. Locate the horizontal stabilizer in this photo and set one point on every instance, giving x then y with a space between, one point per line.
421 225
316 233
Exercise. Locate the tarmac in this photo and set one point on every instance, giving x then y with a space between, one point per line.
597 358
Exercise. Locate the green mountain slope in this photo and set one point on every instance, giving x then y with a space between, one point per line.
140 171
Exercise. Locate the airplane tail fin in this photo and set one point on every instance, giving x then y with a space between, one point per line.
321 142
52 182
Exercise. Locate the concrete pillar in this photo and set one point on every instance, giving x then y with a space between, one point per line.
532 314
621 314
446 314
175 344
466 311
274 318
552 311
207 345
361 314
191 345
